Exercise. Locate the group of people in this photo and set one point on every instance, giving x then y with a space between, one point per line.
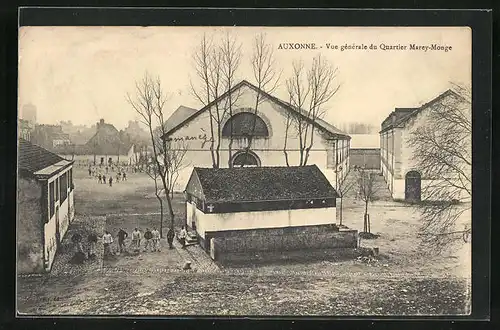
121 175
147 241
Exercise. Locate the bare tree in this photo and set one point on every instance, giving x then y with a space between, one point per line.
318 88
231 57
442 151
365 182
298 92
343 186
266 78
149 102
174 159
216 66
204 68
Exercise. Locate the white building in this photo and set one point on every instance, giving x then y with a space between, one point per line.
400 170
264 209
44 204
269 147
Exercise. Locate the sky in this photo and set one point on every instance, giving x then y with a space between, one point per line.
83 74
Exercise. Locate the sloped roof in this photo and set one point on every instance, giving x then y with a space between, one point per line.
252 184
402 115
106 141
33 158
178 116
318 122
394 119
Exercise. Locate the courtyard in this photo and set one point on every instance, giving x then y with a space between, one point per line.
404 279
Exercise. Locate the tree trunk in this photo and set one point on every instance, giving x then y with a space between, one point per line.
161 215
341 198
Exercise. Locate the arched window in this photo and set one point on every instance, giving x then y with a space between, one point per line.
243 125
244 158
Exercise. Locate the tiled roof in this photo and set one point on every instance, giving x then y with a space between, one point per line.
249 184
318 122
33 158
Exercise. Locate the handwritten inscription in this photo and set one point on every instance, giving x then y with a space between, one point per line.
201 137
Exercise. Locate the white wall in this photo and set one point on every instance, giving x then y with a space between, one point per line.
66 216
260 219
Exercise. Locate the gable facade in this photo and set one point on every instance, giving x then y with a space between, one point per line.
397 155
329 151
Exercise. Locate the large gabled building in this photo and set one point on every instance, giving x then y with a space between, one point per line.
274 143
405 180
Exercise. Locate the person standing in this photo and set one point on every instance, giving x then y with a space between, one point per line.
147 236
136 240
182 237
124 176
170 238
118 175
92 240
99 178
122 235
104 179
156 239
107 240
110 181
90 171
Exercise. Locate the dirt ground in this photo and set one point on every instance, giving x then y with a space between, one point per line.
404 280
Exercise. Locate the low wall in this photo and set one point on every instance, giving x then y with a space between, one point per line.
369 158
280 239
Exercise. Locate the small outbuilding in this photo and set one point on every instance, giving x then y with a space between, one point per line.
244 209
45 206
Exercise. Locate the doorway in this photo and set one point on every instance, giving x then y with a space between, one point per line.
413 186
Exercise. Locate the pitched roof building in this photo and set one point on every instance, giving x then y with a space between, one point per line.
403 177
260 207
45 206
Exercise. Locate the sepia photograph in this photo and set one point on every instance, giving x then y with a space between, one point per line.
244 171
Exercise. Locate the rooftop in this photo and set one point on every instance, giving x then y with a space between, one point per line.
249 184
33 158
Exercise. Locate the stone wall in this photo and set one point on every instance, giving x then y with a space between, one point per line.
280 239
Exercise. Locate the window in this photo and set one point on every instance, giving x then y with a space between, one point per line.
57 189
244 158
243 124
64 187
70 183
51 199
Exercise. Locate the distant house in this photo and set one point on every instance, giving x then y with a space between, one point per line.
262 208
404 179
49 136
45 206
24 129
106 147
